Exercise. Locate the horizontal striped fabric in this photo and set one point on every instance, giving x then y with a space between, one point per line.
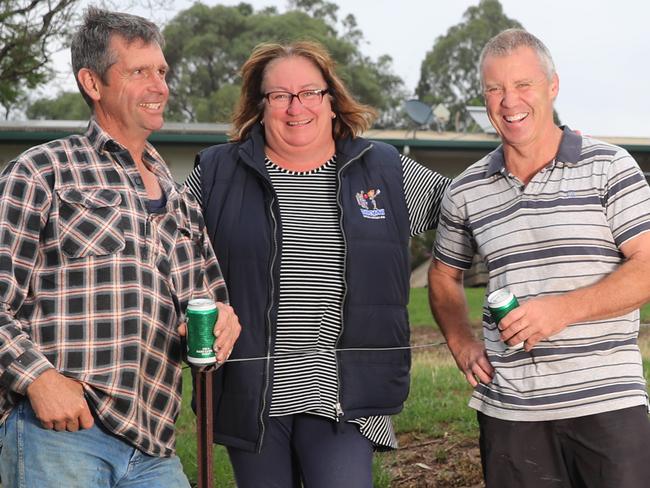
311 286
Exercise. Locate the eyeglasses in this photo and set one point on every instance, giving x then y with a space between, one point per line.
282 99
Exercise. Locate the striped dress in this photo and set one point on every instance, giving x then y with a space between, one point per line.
312 286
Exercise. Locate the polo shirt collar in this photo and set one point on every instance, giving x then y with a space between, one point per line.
569 152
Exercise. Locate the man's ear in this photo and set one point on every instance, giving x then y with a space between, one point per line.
555 86
89 81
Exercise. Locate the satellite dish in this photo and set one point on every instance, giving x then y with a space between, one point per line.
419 113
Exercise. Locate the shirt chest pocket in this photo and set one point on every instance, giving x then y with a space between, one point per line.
90 222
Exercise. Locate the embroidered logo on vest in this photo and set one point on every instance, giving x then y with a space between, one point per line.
367 201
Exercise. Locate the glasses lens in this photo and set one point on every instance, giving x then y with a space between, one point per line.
310 97
279 99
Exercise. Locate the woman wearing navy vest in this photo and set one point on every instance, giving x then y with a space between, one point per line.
311 225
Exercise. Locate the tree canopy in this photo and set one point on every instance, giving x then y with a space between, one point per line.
206 46
65 106
449 73
28 29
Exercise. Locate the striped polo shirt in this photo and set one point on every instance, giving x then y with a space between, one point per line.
561 231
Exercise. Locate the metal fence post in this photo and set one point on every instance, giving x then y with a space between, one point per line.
203 383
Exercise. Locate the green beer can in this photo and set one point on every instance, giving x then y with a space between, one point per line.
500 302
201 316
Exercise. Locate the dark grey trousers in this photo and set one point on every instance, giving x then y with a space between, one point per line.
606 450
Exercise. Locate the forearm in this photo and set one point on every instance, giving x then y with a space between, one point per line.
620 292
213 277
449 307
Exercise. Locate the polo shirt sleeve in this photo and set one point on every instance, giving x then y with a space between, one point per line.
24 208
454 244
627 199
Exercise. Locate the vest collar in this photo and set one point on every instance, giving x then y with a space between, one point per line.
348 149
252 149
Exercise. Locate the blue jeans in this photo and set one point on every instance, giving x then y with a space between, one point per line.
32 457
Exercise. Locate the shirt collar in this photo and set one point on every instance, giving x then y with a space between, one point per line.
99 138
568 153
102 141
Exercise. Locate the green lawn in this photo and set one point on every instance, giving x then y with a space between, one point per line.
420 313
436 407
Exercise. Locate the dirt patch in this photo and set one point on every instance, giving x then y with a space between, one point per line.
425 335
430 342
450 461
435 463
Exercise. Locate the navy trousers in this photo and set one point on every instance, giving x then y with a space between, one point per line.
306 451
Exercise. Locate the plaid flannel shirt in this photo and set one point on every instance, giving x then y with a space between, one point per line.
93 285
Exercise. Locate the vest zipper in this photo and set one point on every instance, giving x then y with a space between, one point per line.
268 322
270 306
339 411
338 407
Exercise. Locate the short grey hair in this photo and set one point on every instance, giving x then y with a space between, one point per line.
509 40
90 47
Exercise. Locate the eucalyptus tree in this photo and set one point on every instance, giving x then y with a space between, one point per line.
449 72
206 46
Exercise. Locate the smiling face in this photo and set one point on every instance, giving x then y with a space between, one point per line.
297 129
130 105
519 97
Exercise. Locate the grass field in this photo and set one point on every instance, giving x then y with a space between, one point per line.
435 416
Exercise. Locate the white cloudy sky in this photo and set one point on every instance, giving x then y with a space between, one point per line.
601 49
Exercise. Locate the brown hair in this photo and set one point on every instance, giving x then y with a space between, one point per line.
352 117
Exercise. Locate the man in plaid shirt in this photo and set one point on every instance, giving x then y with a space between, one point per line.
100 252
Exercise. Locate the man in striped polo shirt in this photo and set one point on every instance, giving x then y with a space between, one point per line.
561 220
